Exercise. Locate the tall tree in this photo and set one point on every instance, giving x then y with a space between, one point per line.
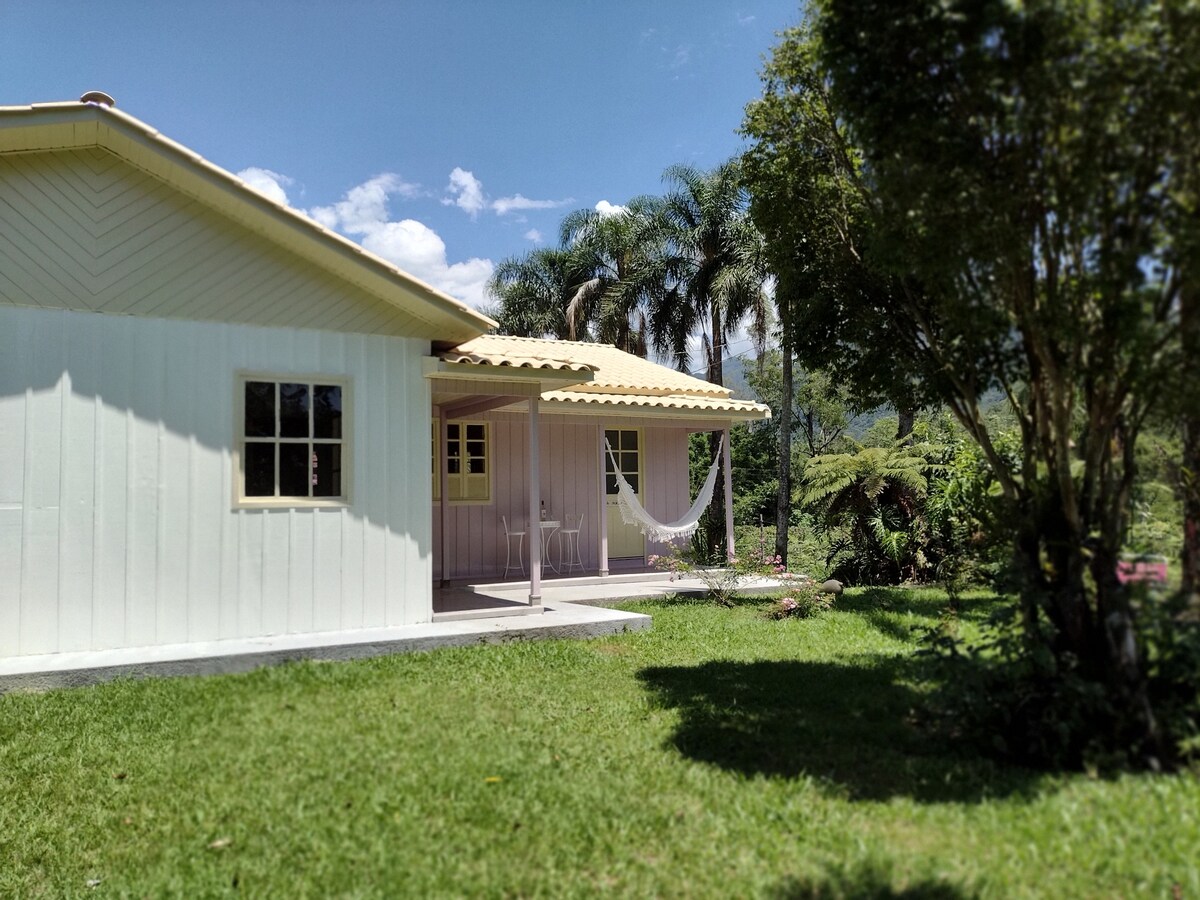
533 292
711 279
615 254
711 268
1005 169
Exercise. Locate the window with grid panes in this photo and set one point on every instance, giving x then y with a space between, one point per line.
293 441
468 464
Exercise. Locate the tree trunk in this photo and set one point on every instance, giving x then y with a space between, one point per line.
1189 326
904 430
783 500
715 537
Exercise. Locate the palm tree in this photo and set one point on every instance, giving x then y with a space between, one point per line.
532 294
713 270
711 274
612 252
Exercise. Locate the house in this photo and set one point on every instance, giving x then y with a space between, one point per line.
221 421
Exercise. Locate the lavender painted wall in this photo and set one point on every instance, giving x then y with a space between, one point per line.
570 476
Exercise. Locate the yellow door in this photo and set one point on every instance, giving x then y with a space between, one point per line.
623 540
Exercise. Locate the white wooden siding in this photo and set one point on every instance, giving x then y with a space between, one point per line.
85 230
117 527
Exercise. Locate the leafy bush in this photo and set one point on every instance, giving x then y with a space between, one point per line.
1011 697
722 581
803 600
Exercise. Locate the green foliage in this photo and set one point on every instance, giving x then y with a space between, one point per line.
877 496
982 199
802 600
722 580
1010 697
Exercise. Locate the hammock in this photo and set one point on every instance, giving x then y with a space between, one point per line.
633 513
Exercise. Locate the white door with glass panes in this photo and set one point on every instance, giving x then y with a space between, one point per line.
623 540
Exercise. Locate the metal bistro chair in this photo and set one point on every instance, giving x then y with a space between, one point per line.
508 536
570 557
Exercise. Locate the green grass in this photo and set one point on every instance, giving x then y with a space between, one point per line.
720 754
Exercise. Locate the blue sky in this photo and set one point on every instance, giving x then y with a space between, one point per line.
444 136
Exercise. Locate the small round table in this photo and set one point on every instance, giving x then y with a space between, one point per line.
548 528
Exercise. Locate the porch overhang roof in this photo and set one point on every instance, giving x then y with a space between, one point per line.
592 379
661 406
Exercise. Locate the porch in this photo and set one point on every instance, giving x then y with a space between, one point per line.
464 600
523 479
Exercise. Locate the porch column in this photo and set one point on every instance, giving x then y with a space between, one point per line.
443 465
535 502
729 549
603 507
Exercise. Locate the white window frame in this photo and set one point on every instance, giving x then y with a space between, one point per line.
240 500
489 458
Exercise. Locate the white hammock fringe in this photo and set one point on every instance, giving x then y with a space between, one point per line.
633 513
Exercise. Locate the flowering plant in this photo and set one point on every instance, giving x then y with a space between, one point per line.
803 600
722 581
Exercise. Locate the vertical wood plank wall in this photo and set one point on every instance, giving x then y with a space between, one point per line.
117 526
570 471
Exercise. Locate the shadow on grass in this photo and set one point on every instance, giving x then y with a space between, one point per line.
844 725
886 608
868 882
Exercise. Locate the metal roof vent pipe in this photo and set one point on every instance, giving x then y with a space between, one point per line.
99 98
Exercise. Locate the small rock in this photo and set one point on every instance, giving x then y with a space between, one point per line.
832 586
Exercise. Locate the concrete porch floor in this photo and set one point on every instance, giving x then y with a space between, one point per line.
465 599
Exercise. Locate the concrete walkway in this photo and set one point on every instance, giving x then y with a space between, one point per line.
557 620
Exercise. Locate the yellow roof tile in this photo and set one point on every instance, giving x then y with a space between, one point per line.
615 371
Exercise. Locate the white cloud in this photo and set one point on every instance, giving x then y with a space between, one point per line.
270 184
411 245
745 20
467 191
607 209
533 235
365 205
505 205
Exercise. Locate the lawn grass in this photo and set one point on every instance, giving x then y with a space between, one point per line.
720 754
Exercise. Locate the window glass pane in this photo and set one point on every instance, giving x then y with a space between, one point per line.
293 411
451 431
452 467
633 483
260 409
610 485
613 438
474 448
629 440
327 411
476 465
629 462
608 461
327 470
294 469
453 450
259 462
475 432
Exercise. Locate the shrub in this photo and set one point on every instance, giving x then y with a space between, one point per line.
803 600
1009 696
721 581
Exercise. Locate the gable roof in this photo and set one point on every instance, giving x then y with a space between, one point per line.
618 379
65 126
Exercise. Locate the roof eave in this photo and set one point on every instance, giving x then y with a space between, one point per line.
68 125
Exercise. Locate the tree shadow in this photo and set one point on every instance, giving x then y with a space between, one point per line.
870 881
846 726
882 607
